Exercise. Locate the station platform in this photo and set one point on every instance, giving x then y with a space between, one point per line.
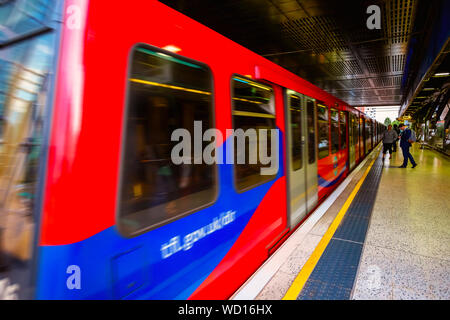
383 234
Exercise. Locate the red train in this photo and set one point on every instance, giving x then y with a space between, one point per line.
107 214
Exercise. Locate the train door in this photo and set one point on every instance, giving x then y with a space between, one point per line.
351 140
375 132
302 160
296 156
365 131
372 134
311 164
375 136
334 126
368 136
363 137
356 138
343 125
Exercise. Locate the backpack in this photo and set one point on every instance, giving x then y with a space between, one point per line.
412 138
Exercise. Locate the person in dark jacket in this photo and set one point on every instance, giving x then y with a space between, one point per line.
394 145
405 144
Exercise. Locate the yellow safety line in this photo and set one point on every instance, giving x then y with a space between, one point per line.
302 277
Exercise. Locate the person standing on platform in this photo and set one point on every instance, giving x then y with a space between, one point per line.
394 145
405 144
389 138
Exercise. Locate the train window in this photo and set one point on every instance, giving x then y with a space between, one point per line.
165 92
323 124
253 108
296 132
343 129
334 131
310 105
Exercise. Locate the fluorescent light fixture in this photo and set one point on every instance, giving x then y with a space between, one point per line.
442 74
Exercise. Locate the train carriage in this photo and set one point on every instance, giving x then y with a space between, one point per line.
102 198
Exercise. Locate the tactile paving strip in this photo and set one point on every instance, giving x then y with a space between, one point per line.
335 273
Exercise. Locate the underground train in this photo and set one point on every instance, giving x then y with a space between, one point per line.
92 206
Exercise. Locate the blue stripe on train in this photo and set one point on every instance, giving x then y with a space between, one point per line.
114 267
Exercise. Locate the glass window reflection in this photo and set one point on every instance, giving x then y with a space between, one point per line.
24 88
20 17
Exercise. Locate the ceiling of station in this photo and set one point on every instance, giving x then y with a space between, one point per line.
434 91
326 42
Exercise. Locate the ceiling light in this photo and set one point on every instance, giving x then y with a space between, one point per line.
442 74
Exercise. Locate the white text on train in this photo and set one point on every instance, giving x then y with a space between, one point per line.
174 245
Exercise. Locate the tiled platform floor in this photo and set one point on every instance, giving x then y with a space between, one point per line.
276 288
407 250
